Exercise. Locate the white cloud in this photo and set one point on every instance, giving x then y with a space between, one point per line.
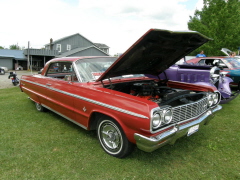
117 24
199 5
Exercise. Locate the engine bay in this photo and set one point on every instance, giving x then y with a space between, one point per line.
158 92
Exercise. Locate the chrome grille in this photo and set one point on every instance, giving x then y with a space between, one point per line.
189 111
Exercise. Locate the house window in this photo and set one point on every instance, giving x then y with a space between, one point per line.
59 47
68 47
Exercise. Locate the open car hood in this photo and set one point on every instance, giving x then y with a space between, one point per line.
226 51
154 52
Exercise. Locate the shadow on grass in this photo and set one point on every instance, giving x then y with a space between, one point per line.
183 146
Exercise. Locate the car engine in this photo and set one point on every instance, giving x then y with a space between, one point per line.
158 93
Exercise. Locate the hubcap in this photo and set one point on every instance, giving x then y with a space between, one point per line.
38 106
111 137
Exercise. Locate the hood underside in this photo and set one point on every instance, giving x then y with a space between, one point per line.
154 52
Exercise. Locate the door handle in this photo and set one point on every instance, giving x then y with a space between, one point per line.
48 84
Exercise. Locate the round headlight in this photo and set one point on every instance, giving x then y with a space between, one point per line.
210 99
156 120
215 98
167 118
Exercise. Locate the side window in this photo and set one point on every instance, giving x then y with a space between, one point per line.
222 64
61 70
58 48
209 62
53 68
202 62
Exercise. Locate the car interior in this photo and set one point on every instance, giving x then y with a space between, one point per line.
213 62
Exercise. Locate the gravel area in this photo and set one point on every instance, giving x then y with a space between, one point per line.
7 83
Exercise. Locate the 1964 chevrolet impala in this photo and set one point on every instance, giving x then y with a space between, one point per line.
113 97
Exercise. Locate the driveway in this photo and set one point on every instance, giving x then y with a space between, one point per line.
7 83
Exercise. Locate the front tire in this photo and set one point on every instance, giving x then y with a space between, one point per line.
112 138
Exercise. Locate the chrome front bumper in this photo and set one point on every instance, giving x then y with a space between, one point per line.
150 144
232 97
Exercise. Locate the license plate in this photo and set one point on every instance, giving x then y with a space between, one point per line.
193 130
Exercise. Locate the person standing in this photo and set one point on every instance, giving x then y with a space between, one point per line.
232 54
201 54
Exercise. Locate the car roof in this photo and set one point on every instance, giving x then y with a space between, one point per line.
195 60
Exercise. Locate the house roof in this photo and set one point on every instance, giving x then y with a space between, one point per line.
73 51
101 45
54 42
16 54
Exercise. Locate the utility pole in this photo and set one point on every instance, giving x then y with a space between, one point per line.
28 63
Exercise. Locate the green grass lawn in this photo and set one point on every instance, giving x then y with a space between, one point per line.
43 145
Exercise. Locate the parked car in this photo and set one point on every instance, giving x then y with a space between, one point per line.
227 64
3 70
112 96
227 52
201 74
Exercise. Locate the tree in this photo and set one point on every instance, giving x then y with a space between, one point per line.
219 20
14 46
1 47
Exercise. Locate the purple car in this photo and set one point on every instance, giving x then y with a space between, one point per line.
204 75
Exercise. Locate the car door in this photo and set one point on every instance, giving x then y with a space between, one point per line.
60 89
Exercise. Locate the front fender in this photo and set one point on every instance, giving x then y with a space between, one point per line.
224 87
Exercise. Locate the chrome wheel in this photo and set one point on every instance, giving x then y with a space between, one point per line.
112 138
39 107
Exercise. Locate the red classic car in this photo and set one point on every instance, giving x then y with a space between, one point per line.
113 97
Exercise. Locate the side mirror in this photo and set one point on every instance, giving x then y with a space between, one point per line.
68 78
39 72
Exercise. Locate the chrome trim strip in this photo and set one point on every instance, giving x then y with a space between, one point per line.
91 100
84 127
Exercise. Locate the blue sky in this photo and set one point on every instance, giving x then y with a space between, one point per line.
117 23
190 4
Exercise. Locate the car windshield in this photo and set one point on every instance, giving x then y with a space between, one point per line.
232 62
91 69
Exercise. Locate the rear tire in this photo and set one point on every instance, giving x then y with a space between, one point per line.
39 107
15 83
112 138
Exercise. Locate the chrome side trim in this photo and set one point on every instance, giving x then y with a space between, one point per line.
91 100
84 127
